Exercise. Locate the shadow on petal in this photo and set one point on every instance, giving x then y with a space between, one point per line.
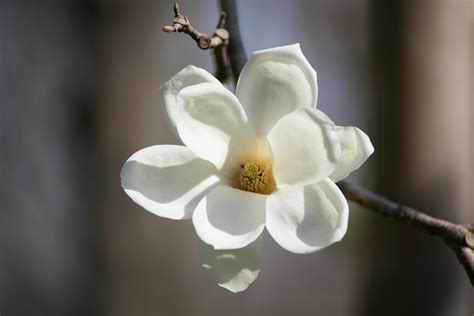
325 215
165 185
234 211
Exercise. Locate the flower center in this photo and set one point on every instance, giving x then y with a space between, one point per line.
254 177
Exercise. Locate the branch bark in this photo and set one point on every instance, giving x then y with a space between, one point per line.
460 238
219 41
237 55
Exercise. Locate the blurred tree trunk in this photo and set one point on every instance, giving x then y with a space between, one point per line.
44 257
421 90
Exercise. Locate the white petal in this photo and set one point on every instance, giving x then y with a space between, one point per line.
305 147
188 76
228 218
275 82
233 269
213 124
167 180
355 149
306 219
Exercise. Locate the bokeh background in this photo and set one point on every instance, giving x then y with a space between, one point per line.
79 94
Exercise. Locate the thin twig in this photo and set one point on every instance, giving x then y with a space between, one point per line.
460 238
218 41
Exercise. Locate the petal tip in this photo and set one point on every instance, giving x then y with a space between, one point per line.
188 72
296 46
233 270
234 290
288 50
366 142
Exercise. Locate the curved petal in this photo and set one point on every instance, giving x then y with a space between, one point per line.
233 269
275 82
213 124
355 149
188 76
305 147
167 180
306 219
228 218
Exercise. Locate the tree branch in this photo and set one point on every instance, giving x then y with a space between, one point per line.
237 54
460 238
218 41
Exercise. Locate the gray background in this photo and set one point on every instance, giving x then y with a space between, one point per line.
79 87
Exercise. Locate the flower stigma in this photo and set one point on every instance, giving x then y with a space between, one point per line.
256 178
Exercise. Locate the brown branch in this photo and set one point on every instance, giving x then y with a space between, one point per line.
237 54
218 41
460 238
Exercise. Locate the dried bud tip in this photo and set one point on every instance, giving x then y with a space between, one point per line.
222 20
168 29
176 9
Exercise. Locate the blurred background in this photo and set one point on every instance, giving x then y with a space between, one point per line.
79 84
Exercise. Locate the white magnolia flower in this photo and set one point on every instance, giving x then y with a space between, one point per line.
264 157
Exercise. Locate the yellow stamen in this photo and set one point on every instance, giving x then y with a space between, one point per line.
254 177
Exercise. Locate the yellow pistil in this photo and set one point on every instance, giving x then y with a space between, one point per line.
254 177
